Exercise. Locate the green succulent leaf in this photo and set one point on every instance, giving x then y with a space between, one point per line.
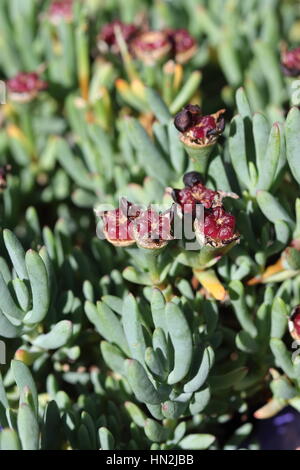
292 127
38 278
181 338
28 427
9 440
57 337
197 442
140 383
24 379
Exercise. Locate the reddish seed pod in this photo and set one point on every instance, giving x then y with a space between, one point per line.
185 199
107 37
184 45
25 87
219 225
61 10
290 61
117 228
26 83
151 47
205 127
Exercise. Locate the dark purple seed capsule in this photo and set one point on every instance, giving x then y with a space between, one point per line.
191 178
183 120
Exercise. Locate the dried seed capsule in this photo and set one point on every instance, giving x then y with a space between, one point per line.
184 45
199 134
218 224
185 199
151 47
117 228
187 117
153 230
191 178
24 87
60 10
183 120
197 193
290 61
107 40
216 228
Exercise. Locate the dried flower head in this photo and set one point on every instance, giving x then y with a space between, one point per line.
216 227
195 192
24 87
198 130
117 227
153 230
290 61
151 47
107 39
188 117
60 10
184 45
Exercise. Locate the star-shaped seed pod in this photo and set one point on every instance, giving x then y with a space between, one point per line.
117 223
213 226
152 230
217 229
195 192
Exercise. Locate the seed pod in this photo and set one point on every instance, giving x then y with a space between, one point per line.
117 228
184 45
191 178
217 229
151 47
290 62
199 134
197 193
61 10
153 230
183 120
24 87
187 117
107 40
129 210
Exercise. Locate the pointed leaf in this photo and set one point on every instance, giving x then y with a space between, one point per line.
140 383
